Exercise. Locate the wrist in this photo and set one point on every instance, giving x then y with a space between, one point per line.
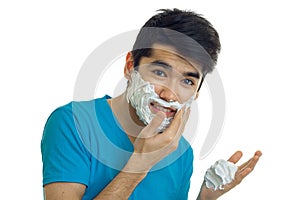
206 194
137 165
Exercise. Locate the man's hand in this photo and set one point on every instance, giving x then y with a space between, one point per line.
242 172
150 146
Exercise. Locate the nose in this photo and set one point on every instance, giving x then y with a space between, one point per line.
166 93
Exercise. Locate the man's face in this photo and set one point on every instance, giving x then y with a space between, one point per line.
174 78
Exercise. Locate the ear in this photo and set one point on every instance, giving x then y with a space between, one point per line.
128 65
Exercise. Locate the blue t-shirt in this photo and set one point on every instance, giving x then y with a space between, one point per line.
84 143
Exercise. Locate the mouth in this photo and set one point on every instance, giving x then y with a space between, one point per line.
169 111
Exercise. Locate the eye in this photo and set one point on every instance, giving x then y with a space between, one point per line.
159 73
188 82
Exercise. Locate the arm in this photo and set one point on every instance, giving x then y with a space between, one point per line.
60 132
63 190
243 171
121 187
149 148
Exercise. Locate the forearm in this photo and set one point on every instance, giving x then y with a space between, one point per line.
122 186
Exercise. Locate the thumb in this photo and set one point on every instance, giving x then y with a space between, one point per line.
235 157
152 127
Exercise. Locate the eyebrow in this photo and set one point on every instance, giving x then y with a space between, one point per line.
169 67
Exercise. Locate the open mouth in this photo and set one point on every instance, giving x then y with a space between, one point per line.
169 111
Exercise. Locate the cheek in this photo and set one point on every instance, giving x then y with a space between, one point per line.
181 93
184 93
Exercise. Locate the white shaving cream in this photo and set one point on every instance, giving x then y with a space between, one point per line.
220 174
140 93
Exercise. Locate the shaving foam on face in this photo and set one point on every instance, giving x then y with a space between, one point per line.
220 174
141 93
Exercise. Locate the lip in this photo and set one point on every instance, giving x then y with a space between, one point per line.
169 111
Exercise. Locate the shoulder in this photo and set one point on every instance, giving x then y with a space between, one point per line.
75 112
66 120
60 117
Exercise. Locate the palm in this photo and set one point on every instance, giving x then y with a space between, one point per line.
242 172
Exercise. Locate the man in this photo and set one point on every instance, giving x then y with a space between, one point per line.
131 146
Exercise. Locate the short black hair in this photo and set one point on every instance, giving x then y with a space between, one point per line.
180 29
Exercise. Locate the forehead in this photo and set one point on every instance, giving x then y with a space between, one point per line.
171 56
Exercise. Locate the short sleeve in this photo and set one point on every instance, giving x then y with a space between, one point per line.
65 159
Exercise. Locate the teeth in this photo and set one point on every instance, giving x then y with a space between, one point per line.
162 109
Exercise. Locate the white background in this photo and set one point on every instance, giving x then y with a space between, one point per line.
43 45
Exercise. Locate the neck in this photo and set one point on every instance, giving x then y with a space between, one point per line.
126 116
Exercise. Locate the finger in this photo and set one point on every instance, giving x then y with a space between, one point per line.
251 162
247 169
245 173
235 157
180 120
245 164
239 176
244 170
185 116
172 134
175 124
258 153
152 127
